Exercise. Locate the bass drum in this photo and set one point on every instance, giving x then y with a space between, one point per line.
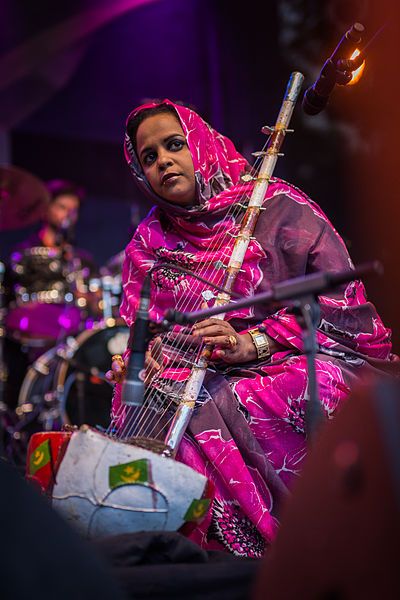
67 385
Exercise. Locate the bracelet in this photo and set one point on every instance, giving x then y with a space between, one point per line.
261 342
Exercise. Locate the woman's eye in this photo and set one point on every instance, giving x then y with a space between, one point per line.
149 158
176 144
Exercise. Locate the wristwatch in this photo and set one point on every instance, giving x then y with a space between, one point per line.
260 340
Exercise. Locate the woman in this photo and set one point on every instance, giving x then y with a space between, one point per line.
247 433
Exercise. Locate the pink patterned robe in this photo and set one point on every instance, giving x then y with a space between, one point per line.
247 433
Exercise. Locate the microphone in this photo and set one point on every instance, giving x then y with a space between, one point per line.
133 384
65 232
336 70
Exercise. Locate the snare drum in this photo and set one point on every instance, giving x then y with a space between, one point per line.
67 385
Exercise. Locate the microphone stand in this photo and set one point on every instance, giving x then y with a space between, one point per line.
133 385
304 291
307 312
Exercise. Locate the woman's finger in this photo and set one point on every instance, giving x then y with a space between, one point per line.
224 341
151 363
210 322
118 364
114 377
213 329
109 375
156 350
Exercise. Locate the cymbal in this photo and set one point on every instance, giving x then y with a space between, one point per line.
23 198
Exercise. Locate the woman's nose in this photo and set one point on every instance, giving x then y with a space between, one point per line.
164 159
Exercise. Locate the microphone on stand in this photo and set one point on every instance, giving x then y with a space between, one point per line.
67 231
133 384
336 70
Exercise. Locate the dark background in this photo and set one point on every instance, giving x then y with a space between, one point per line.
70 72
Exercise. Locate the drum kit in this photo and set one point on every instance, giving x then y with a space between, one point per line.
62 316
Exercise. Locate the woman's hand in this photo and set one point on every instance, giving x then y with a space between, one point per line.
153 359
229 346
153 364
118 370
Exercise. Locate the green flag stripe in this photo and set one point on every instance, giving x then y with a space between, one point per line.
40 457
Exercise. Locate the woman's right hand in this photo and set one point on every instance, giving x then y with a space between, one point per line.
118 370
153 364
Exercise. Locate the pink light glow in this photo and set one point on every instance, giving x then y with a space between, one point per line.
24 323
64 321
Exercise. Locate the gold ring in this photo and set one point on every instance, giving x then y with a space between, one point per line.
232 340
118 358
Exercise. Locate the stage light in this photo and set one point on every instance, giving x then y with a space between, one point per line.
357 74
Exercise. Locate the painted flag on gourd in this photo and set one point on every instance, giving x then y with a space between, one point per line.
136 471
40 457
197 509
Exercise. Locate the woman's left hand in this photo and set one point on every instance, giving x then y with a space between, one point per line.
229 346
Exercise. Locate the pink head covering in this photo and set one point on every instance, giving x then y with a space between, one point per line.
217 164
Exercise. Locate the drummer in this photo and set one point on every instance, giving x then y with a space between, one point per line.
57 227
46 264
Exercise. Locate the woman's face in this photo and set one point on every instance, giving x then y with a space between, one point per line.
165 158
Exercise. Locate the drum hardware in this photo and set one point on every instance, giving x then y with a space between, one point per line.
111 283
107 282
53 296
67 384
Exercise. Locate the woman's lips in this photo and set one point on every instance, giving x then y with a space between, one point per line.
170 179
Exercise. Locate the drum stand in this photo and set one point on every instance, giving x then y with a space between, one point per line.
9 434
106 285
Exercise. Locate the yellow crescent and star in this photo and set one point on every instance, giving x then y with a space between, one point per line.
199 511
131 474
38 457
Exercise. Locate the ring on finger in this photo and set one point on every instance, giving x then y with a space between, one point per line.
232 341
118 358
